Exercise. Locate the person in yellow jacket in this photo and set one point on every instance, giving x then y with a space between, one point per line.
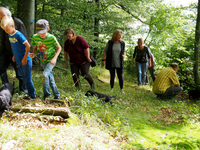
166 84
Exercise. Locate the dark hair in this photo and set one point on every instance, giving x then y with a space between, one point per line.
69 31
174 65
140 39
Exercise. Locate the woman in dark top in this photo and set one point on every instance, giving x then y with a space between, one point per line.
78 50
142 53
113 58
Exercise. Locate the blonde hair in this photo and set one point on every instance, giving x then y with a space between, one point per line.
115 34
6 21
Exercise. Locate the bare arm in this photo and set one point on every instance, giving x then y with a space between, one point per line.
66 59
123 55
150 63
53 61
87 51
104 59
24 60
133 62
32 55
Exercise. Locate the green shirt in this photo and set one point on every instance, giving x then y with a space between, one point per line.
46 46
166 78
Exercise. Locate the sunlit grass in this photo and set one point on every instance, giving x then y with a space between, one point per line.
137 120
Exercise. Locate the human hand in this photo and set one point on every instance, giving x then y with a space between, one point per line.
32 55
150 65
103 63
53 61
89 60
24 61
13 58
133 64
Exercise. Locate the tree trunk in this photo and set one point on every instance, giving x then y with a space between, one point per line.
96 28
196 50
60 111
26 12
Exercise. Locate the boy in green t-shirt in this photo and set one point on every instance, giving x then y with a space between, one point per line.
46 43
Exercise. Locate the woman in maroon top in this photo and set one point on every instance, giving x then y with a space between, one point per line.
78 50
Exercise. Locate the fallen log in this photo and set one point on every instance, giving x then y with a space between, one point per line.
60 111
63 102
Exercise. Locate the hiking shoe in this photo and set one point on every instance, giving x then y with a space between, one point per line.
57 97
28 98
23 92
122 91
46 97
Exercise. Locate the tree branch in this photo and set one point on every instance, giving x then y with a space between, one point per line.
128 11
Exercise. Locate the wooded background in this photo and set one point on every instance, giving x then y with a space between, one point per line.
168 30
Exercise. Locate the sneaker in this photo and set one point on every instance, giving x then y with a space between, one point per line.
46 97
23 92
57 97
28 98
122 91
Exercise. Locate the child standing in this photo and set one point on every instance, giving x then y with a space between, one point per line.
20 48
46 43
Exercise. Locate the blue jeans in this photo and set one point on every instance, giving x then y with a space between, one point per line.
48 79
5 61
141 72
26 71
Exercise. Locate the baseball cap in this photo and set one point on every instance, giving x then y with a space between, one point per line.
42 26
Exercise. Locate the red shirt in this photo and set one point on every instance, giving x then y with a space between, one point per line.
81 45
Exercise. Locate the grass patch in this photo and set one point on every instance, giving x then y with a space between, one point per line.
136 121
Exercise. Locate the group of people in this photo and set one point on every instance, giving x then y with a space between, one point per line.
14 49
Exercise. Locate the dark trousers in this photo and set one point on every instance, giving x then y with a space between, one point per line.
152 73
170 92
84 69
119 75
5 61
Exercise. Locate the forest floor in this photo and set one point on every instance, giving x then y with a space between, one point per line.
137 119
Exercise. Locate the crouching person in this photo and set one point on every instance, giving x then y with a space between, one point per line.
166 84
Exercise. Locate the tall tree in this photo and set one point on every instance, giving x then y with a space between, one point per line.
196 49
26 12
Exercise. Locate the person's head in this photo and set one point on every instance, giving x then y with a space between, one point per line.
4 12
174 66
116 36
69 33
140 42
7 24
42 26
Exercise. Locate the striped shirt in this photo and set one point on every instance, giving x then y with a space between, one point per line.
46 46
166 78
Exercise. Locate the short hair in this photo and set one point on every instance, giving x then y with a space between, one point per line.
140 39
69 31
174 65
6 21
5 11
115 34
